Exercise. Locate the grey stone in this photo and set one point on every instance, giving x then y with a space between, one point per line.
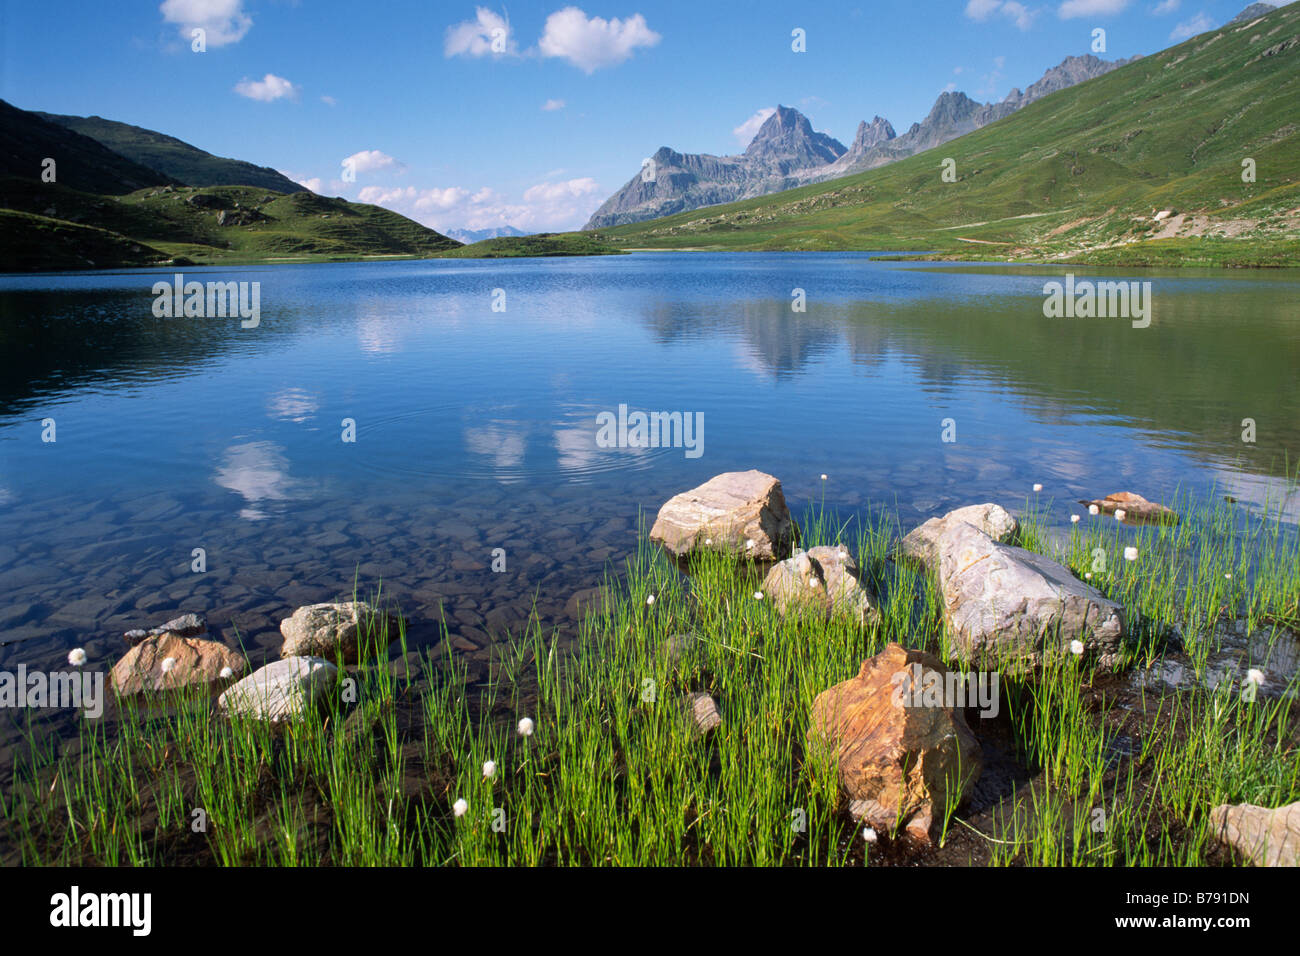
994 520
1011 604
281 691
824 580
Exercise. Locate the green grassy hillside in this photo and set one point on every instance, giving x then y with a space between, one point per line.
174 158
541 244
204 226
27 141
1078 175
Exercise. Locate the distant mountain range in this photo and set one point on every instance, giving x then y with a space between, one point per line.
478 235
787 152
1186 157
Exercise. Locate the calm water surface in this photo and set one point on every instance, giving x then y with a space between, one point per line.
477 429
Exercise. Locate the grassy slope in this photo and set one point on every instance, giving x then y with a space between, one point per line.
542 244
1076 175
172 157
27 140
30 243
184 222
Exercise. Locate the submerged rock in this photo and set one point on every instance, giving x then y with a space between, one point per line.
739 512
921 543
1267 837
1008 604
824 580
280 691
187 625
166 661
326 630
1135 508
898 761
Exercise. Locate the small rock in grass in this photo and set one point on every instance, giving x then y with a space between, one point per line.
282 691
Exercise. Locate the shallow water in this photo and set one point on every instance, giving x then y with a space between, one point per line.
477 429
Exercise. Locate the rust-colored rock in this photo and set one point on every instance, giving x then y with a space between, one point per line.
898 758
1136 508
742 513
144 668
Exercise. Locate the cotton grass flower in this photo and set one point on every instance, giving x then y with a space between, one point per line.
1038 487
489 769
1120 514
460 807
823 477
77 656
1087 575
749 542
650 599
1076 648
1255 676
167 664
526 727
1074 519
1093 510
227 673
1130 554
758 595
869 835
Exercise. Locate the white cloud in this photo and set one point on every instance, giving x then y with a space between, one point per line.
270 87
488 34
1165 6
329 101
1071 9
1017 13
223 21
552 192
368 160
592 43
545 207
982 9
551 106
744 133
1189 28
314 184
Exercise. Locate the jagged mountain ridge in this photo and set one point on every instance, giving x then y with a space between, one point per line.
673 182
786 152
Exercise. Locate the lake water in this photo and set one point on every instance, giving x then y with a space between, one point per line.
477 429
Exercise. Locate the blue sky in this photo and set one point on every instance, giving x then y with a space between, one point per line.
467 116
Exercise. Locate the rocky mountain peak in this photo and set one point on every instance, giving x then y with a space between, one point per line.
787 136
879 130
